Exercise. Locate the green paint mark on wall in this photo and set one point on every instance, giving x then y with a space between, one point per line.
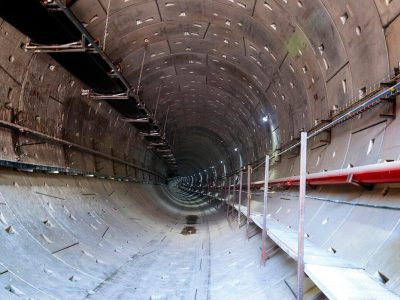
295 44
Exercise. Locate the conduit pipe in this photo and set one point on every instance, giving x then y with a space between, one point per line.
388 172
364 104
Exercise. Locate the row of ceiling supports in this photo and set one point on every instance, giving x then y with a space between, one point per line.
142 119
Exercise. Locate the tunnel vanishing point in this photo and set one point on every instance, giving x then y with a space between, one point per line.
199 149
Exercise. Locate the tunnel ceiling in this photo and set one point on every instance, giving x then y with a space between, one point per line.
219 67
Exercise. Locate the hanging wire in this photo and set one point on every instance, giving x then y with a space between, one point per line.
166 119
106 26
141 71
158 98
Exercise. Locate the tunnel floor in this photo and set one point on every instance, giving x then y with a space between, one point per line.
70 237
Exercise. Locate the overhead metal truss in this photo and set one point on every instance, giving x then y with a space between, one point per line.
90 45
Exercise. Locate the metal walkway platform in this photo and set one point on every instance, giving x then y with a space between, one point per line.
337 278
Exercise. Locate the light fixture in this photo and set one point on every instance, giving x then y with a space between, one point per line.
265 119
221 162
236 149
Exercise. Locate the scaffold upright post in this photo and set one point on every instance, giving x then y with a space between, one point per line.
249 170
302 194
240 196
265 211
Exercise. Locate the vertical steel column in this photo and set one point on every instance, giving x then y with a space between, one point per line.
214 184
249 170
200 188
227 197
208 180
240 196
264 229
213 189
233 195
302 197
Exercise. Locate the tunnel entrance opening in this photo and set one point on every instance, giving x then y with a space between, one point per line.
191 219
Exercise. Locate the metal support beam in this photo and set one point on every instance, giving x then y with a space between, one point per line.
227 197
115 70
92 42
206 182
233 196
164 150
240 195
97 96
136 120
53 140
150 134
161 144
265 211
302 197
249 171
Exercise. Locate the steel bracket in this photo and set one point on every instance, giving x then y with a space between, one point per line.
136 120
392 115
150 133
367 186
78 46
98 96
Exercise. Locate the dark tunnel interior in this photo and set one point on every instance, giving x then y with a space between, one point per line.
199 149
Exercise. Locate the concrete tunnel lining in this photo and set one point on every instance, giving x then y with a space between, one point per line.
219 67
127 249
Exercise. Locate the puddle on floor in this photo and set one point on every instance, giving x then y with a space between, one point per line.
188 230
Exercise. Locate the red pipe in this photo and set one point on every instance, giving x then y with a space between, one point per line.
371 174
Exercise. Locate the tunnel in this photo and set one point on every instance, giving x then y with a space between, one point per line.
199 149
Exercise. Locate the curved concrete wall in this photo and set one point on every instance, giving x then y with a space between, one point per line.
68 237
294 61
65 237
39 94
